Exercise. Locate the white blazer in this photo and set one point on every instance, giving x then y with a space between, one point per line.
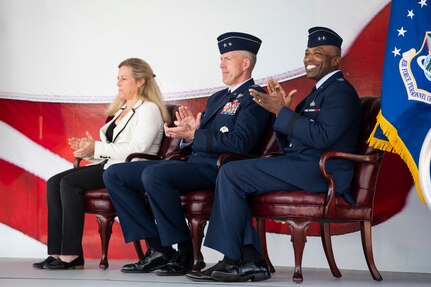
141 130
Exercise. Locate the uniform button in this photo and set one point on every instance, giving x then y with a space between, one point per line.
290 145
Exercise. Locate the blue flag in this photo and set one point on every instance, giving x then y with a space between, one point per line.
405 116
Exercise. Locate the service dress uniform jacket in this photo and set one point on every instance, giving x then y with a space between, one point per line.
232 122
328 119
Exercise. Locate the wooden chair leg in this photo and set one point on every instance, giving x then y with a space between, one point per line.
298 238
325 234
368 250
261 230
138 249
197 226
105 231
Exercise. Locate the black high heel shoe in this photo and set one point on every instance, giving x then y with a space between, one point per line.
41 265
58 264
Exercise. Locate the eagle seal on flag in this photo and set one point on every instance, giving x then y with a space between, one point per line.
405 116
414 66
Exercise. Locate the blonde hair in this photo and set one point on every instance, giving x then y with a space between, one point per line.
150 91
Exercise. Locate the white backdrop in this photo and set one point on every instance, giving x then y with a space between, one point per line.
68 51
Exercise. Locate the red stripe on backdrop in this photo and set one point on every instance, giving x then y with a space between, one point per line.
50 124
23 204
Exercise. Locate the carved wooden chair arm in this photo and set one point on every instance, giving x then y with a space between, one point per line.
143 156
177 155
330 195
77 162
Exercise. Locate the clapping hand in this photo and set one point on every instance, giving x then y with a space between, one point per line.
185 125
84 147
74 143
275 100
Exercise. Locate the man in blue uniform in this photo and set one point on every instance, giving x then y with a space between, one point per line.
328 119
232 122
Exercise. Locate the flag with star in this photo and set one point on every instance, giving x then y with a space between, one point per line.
405 116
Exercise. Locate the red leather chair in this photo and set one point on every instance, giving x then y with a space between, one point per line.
197 209
98 202
300 208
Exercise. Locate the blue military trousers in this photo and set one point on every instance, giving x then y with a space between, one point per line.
230 227
163 181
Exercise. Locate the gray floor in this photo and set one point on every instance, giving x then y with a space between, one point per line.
18 272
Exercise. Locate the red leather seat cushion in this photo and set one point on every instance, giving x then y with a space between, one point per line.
302 204
197 202
98 200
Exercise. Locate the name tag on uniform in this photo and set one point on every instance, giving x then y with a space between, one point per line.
230 108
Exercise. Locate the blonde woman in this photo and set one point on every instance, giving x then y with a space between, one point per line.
137 126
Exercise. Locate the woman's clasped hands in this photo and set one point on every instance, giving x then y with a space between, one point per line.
83 147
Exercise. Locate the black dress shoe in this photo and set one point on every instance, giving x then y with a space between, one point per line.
180 264
41 265
58 264
206 274
251 270
152 260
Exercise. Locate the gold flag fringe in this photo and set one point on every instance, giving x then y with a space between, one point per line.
396 145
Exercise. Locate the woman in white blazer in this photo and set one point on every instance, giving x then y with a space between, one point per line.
137 126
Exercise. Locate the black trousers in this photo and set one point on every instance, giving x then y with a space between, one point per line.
66 207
